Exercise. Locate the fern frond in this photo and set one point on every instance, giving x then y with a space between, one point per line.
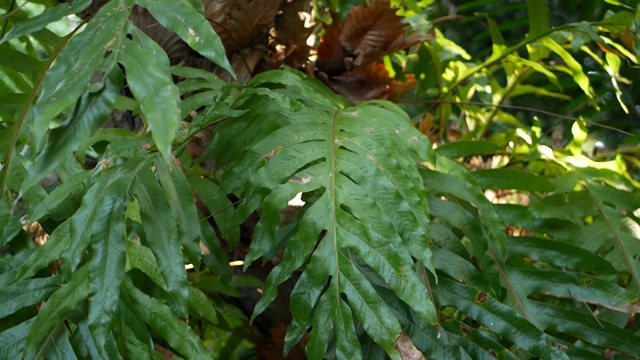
369 205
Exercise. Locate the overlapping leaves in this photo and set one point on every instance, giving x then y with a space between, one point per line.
102 227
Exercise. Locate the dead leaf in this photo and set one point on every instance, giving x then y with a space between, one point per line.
407 350
243 64
372 31
331 53
369 82
241 23
290 33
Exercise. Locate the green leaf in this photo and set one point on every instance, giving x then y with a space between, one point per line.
475 342
581 287
462 219
141 257
133 319
538 13
460 149
201 305
511 179
464 188
519 216
497 317
574 206
57 307
151 84
68 78
10 228
56 347
161 234
42 257
26 293
12 340
61 193
49 15
573 66
178 194
166 324
219 205
89 114
192 27
558 253
20 62
585 326
370 201
107 265
82 337
12 104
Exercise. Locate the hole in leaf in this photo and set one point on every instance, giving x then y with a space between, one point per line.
482 297
465 329
348 211
349 177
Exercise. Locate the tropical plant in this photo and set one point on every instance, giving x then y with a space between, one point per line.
446 225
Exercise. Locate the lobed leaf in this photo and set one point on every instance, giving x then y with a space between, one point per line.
367 198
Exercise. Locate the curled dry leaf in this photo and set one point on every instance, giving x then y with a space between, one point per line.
241 23
372 31
369 82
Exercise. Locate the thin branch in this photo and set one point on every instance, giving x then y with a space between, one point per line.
515 107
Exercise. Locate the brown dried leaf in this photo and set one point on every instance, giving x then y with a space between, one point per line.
407 350
372 31
243 63
241 23
369 82
290 33
330 52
